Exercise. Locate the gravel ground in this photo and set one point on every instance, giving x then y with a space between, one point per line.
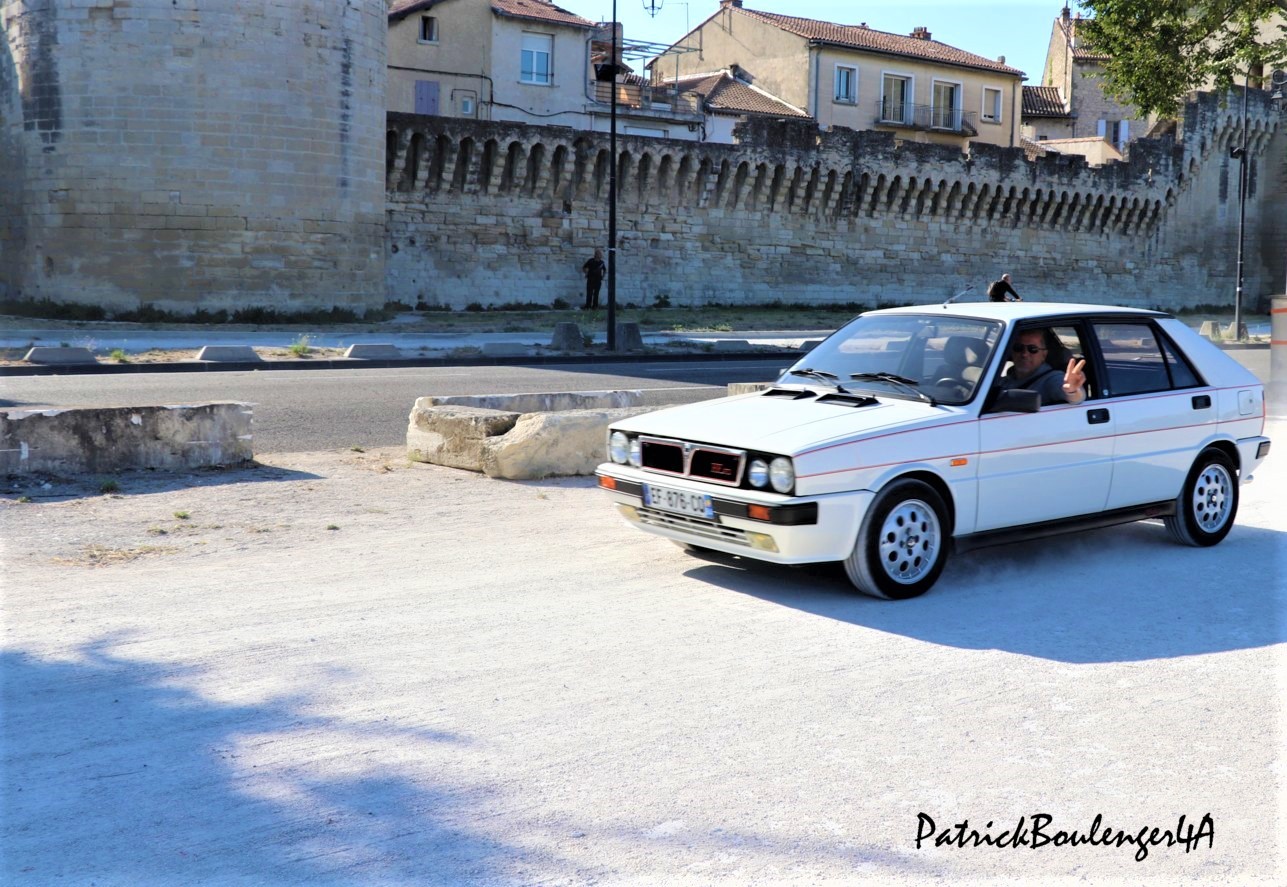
341 668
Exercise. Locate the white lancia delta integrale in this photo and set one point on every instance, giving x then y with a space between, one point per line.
894 442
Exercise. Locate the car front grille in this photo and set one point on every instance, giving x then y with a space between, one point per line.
694 526
718 465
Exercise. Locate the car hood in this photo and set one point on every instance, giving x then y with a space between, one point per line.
784 425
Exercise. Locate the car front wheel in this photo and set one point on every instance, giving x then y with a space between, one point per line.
1207 505
902 544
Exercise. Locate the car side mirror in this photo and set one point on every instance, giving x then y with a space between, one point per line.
1016 400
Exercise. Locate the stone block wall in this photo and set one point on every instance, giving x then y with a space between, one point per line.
495 213
186 154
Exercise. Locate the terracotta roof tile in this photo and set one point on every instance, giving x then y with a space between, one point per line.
537 10
862 37
722 92
1043 101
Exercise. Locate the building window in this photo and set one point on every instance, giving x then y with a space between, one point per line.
991 105
895 99
428 29
846 84
945 111
537 59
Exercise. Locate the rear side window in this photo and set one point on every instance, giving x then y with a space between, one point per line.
1139 359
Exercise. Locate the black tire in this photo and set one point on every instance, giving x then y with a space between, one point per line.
1208 503
902 544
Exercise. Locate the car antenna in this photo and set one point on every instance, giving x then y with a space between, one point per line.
958 295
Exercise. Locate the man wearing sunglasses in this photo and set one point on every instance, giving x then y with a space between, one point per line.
1029 370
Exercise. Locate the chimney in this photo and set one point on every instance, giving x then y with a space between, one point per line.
1064 15
725 4
1000 60
921 33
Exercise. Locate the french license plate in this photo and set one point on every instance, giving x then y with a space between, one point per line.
678 501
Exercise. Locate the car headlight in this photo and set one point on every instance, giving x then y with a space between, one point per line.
636 452
782 474
618 447
758 474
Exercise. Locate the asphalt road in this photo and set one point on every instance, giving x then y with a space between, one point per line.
329 409
326 409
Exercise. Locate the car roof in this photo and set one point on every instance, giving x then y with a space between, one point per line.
1018 311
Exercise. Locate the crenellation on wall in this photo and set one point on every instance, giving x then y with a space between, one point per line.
792 214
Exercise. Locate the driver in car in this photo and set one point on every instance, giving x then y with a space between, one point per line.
1029 370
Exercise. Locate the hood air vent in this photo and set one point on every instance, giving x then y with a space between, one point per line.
791 393
848 400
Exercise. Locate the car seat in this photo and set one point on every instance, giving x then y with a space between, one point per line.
963 359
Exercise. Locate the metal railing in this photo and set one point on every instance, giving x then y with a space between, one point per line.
929 117
645 97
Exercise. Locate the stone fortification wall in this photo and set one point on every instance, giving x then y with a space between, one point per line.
186 154
495 213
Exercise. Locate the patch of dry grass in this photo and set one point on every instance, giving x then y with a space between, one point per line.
106 556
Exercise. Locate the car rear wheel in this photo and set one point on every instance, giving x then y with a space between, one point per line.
1207 505
902 544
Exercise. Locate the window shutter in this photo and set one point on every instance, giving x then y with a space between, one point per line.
426 96
1103 129
1125 135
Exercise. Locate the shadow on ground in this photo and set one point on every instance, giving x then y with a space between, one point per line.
115 773
1116 595
56 488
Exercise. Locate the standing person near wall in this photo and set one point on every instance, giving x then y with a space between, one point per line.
594 269
1001 291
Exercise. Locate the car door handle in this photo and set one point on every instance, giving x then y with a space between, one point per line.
1201 401
1097 417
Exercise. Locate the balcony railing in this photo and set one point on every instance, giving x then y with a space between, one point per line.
928 117
645 97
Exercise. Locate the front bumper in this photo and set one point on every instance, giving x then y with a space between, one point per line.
785 530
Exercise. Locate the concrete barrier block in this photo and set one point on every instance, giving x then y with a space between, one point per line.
567 337
538 403
454 435
373 351
629 338
810 344
52 355
735 388
1211 329
731 345
227 353
553 444
96 440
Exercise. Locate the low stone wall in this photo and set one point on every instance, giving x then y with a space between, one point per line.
518 436
105 439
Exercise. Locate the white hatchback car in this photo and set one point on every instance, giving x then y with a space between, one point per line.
893 443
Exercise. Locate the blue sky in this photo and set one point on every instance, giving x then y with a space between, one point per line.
1017 29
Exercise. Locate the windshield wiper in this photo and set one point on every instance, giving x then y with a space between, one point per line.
830 378
903 382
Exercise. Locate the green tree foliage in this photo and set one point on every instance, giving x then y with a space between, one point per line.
1161 49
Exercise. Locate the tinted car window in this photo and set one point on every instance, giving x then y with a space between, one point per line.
1138 360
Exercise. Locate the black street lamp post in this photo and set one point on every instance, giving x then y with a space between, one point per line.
1240 153
612 192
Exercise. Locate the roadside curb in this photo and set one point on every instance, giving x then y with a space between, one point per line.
192 366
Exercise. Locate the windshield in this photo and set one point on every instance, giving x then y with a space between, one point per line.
911 356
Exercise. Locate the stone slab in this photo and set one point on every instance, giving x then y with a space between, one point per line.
538 402
227 353
96 440
48 354
374 351
553 444
453 435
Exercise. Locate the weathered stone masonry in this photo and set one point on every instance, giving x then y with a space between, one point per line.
498 213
